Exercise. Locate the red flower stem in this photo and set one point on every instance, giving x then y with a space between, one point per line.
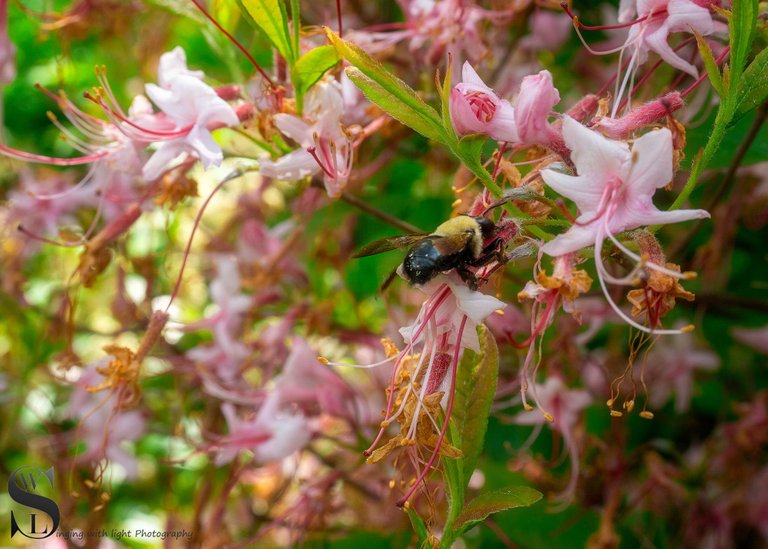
236 43
196 224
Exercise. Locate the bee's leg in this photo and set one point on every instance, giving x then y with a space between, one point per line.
494 250
468 277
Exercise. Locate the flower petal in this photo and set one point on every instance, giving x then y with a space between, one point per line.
476 305
658 41
470 76
653 168
503 126
585 191
593 154
573 240
291 167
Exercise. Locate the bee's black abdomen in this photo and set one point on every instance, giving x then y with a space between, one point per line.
423 262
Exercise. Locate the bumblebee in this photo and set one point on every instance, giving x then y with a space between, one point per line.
459 243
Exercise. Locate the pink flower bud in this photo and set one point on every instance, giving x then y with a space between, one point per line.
534 104
476 109
644 115
584 109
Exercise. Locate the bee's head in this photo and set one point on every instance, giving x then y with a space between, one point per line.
487 227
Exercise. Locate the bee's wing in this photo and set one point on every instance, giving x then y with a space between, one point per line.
389 243
452 244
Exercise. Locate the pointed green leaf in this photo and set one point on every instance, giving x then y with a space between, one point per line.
393 106
313 65
475 387
270 16
418 526
489 503
743 20
444 91
754 84
400 95
471 146
710 64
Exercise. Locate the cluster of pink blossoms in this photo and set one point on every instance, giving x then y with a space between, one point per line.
574 192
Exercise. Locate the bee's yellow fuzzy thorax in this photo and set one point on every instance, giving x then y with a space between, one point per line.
463 224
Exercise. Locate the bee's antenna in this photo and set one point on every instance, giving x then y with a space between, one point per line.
518 193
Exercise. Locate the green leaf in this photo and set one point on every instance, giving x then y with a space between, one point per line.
393 106
489 503
418 526
710 64
444 90
313 65
271 18
392 91
475 387
743 19
471 146
754 84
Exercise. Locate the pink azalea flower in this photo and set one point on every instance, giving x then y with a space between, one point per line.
445 326
103 426
226 354
757 338
193 108
305 380
29 206
532 109
663 17
549 31
614 192
447 26
640 117
670 367
272 434
113 156
475 108
260 244
324 143
561 407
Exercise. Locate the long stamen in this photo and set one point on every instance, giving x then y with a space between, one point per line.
620 90
326 171
650 264
606 52
650 71
118 117
40 159
448 411
82 183
442 294
361 366
600 270
577 21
